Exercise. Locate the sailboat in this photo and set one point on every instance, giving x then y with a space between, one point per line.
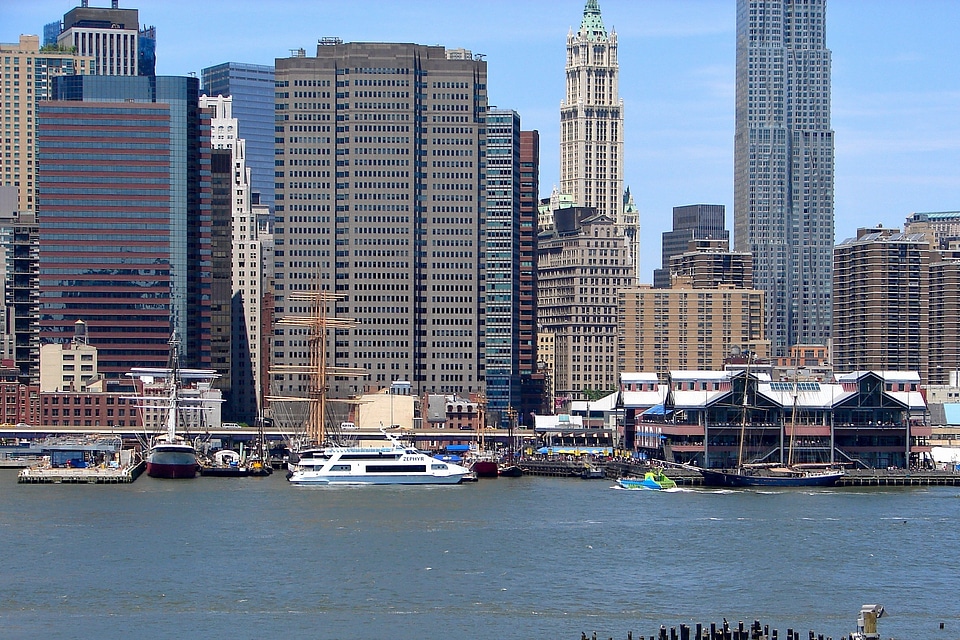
764 475
169 453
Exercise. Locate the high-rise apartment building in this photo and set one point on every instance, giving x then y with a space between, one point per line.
882 302
19 243
690 222
591 124
686 327
124 218
380 193
237 286
251 87
112 36
943 323
582 264
710 308
708 264
28 74
783 165
502 283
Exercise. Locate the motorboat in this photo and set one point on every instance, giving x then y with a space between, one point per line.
395 463
654 479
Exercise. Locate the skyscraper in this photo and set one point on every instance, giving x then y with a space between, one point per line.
883 304
124 218
112 37
582 265
783 165
690 222
251 87
379 199
591 124
36 71
237 287
502 284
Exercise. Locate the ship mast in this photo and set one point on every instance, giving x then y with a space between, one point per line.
743 413
317 323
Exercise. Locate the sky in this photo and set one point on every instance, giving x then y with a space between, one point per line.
895 83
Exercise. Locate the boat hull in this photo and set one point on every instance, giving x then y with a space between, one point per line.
723 479
510 471
313 478
178 463
649 482
486 468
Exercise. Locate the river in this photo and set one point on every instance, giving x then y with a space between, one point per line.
532 558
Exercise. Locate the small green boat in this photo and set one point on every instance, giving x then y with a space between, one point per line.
655 480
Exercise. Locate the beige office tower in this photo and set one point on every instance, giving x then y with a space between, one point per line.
591 126
28 74
582 264
378 200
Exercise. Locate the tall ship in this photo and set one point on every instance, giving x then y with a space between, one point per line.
169 453
786 474
394 463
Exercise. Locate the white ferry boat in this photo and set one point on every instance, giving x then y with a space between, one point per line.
392 464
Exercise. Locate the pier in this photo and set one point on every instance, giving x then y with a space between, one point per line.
88 475
689 477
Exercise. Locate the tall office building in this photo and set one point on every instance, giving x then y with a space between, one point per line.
502 284
237 286
124 218
379 199
591 124
690 222
32 72
882 302
783 165
251 87
112 36
582 264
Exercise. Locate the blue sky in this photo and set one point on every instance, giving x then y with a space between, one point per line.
896 83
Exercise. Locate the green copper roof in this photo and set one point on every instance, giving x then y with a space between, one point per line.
592 25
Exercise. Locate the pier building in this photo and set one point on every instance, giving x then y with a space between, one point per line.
864 419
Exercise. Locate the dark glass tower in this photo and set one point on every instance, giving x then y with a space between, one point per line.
690 222
125 218
251 86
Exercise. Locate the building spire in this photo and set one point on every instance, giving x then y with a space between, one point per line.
592 25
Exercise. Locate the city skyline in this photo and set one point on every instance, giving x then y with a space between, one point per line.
894 100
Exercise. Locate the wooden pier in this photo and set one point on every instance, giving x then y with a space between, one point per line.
89 475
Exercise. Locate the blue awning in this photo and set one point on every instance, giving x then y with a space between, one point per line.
575 450
458 447
656 410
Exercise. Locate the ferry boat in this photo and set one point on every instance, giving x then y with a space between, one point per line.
391 464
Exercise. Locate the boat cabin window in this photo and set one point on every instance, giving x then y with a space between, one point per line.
437 467
341 467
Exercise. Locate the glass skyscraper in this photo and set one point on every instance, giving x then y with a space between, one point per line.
125 218
503 262
251 86
783 165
